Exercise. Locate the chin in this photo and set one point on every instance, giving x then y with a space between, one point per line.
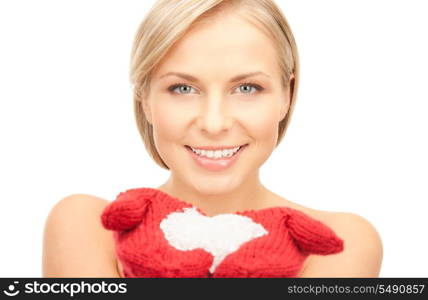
215 186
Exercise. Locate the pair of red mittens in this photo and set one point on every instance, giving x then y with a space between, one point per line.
146 250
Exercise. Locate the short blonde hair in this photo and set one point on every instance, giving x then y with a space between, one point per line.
169 20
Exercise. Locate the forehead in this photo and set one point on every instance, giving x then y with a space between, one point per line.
223 43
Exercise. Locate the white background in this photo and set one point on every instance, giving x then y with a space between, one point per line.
357 141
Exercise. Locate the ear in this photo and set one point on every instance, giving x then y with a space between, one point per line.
285 105
146 108
312 236
127 210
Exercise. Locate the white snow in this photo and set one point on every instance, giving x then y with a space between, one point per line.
219 235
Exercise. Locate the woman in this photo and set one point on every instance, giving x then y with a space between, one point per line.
215 85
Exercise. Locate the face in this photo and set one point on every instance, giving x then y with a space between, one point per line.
198 98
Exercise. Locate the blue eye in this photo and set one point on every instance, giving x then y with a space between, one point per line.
183 88
245 88
249 86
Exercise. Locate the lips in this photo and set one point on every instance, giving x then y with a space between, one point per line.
215 164
216 149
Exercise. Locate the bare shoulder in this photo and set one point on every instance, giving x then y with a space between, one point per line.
74 242
363 249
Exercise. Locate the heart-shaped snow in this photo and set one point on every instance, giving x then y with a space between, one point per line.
219 235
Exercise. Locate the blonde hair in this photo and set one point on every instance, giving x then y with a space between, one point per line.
169 20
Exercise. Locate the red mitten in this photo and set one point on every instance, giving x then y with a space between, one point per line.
135 217
292 236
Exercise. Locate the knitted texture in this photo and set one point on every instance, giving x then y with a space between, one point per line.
151 239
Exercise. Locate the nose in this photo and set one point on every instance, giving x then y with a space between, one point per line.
214 116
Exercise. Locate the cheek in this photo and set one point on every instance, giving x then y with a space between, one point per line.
262 123
168 125
264 130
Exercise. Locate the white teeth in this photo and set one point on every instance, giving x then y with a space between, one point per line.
216 153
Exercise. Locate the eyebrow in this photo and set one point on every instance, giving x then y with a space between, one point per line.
194 79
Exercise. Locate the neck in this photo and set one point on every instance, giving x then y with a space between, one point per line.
249 195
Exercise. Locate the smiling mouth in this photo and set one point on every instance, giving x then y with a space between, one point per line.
225 153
